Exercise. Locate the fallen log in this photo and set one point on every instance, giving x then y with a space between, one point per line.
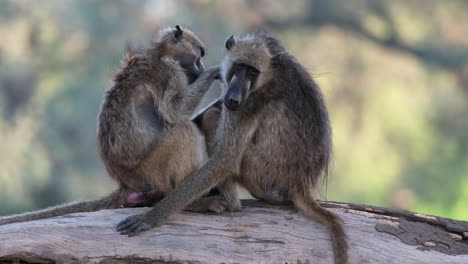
259 233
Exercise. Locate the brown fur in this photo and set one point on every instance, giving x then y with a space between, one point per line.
273 137
145 137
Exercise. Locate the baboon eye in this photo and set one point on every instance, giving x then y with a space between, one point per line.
253 71
202 52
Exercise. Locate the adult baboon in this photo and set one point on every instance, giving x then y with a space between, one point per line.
145 137
273 137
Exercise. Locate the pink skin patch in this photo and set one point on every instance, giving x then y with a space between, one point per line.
134 199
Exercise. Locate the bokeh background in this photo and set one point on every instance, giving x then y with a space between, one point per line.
394 74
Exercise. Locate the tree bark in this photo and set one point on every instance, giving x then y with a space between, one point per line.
259 233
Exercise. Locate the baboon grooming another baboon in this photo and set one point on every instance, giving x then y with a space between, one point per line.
145 137
273 136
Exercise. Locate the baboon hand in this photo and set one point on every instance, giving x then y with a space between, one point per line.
135 224
214 73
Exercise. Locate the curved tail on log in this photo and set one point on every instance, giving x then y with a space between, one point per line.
313 210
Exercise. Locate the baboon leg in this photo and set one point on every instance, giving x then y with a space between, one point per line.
274 197
228 189
224 198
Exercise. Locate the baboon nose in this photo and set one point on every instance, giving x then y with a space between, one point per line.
234 102
233 98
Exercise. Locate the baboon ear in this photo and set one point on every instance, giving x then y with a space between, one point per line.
230 42
177 33
278 58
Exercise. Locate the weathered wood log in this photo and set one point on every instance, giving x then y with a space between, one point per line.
259 233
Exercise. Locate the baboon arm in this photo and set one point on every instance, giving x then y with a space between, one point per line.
214 171
197 89
198 117
184 100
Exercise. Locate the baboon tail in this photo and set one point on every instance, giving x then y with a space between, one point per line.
107 202
310 207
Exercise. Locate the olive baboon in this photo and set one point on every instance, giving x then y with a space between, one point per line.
145 137
273 137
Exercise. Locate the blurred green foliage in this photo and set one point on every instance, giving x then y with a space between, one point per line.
394 73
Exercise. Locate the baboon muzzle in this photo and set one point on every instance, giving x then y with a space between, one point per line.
237 90
194 72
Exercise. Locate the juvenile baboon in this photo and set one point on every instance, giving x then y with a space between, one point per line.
273 137
144 133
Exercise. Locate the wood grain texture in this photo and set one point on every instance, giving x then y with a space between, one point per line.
259 233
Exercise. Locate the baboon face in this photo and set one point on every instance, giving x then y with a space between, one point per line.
246 62
188 51
241 78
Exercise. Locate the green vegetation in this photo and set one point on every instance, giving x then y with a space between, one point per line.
394 73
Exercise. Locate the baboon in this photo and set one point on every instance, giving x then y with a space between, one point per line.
145 137
273 136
